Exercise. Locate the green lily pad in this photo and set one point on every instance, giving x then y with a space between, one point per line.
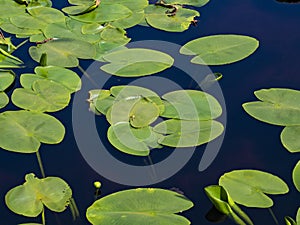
140 206
10 8
136 62
198 3
290 138
249 187
30 198
191 105
63 52
23 131
67 78
7 77
296 176
45 96
225 205
278 106
161 18
129 21
4 100
184 133
105 12
220 49
132 141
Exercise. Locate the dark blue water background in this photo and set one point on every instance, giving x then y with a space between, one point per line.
248 143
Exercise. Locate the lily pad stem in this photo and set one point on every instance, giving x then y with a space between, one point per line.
273 216
87 75
43 217
74 209
38 156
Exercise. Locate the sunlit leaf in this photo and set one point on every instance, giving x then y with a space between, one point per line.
249 187
130 21
162 18
4 100
220 49
63 52
131 140
69 79
30 198
136 62
7 77
290 138
277 106
183 133
45 96
296 176
99 102
191 105
197 3
140 206
23 131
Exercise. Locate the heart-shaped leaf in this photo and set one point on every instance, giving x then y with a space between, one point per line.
30 198
23 131
183 133
220 49
249 187
136 62
277 106
140 206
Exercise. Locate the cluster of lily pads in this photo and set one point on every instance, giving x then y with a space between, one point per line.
131 110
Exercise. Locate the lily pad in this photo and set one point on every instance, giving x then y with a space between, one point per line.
7 77
197 3
290 138
100 101
191 105
136 62
63 52
45 96
140 206
182 133
249 187
296 176
30 198
220 49
278 106
162 18
69 79
131 140
23 131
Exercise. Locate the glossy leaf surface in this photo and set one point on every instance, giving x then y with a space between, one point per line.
140 206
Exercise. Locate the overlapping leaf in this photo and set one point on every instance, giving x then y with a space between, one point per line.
30 198
140 206
23 131
7 77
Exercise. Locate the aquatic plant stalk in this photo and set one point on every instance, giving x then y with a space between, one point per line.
40 164
273 216
43 218
74 209
87 75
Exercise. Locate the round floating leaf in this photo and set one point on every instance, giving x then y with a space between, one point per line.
197 3
69 79
191 105
163 19
105 12
7 77
278 106
220 49
63 52
45 96
140 206
182 133
249 187
29 198
22 131
130 21
296 176
290 138
136 62
131 140
4 100
100 101
143 113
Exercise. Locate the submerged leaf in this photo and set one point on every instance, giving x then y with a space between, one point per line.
278 106
140 206
220 49
30 198
249 187
23 131
136 62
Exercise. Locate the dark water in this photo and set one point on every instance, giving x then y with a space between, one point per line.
248 143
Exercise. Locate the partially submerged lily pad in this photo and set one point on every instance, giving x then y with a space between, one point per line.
140 206
220 49
30 198
249 187
136 62
23 131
